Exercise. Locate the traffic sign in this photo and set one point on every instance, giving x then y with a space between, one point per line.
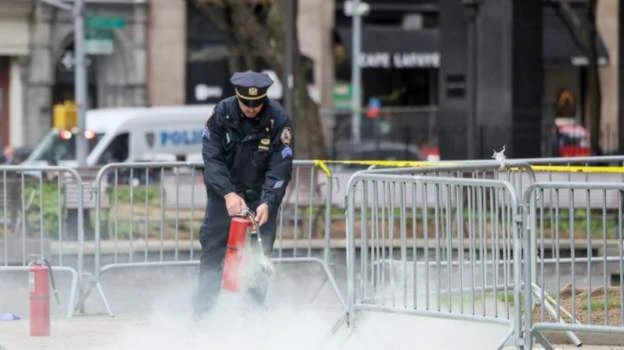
104 22
99 41
342 95
99 46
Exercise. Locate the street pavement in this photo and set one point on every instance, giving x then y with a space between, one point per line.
152 308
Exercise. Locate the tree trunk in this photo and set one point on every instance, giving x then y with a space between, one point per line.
248 39
310 130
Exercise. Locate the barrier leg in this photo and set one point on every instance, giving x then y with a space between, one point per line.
98 285
84 296
72 295
505 341
539 337
318 290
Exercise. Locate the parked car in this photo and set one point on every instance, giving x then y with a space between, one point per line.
376 150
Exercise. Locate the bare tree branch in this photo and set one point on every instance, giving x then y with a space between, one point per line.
251 34
212 10
255 33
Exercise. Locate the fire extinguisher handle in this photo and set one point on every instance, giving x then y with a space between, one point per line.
56 295
255 228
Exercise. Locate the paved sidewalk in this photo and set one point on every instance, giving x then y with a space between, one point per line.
95 333
153 312
305 331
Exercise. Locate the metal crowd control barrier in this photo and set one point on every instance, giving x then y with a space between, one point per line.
156 210
577 169
435 246
33 222
583 220
519 174
569 170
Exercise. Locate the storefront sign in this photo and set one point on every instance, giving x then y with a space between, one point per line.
203 92
399 60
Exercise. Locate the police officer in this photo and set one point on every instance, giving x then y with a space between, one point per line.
247 151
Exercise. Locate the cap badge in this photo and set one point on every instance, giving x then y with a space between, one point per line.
253 91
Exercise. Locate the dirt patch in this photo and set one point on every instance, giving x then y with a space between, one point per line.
589 309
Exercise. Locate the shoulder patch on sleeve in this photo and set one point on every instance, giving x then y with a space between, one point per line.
287 152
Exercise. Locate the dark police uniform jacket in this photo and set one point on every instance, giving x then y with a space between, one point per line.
257 164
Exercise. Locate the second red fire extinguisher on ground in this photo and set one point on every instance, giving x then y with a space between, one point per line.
38 280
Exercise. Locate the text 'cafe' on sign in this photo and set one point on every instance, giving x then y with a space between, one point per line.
399 59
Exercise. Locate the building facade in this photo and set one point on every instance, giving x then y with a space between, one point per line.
207 71
164 52
14 52
39 61
167 52
140 53
609 21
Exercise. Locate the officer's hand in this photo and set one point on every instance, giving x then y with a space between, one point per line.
262 214
235 204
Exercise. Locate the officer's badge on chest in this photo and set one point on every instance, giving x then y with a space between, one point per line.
264 144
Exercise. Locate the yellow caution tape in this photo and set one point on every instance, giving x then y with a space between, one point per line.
385 163
323 165
578 169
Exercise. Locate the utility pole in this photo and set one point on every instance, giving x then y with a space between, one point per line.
357 9
80 73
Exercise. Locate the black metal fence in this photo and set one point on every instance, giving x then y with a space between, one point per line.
394 133
404 132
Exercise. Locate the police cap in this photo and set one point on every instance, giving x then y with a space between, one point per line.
251 87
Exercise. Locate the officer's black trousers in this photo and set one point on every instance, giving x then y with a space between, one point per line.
213 237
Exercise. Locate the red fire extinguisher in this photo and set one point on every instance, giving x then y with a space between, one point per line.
39 278
233 264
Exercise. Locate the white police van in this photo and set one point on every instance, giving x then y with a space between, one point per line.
129 135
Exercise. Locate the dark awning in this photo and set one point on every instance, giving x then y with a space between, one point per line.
384 47
559 44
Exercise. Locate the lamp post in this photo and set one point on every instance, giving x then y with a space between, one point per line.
356 9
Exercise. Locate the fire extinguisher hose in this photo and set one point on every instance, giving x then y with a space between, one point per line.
56 295
262 259
252 218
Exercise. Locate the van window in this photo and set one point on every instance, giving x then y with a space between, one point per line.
60 145
117 151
